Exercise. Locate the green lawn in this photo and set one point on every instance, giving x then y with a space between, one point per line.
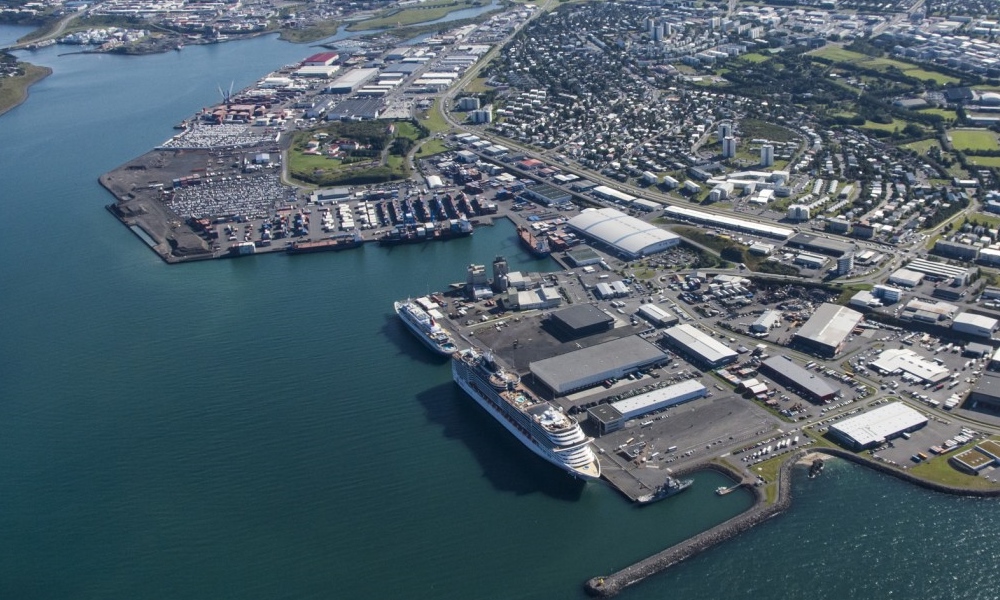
939 470
432 147
973 139
990 221
432 119
923 146
754 57
896 124
984 161
13 90
841 55
477 86
943 112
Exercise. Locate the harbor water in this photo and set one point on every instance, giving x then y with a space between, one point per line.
266 427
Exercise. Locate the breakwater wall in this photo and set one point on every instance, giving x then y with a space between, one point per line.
609 585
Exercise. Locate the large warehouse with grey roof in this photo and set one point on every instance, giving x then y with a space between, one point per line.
621 233
827 330
587 367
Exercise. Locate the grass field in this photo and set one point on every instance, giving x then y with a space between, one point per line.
984 161
923 146
840 55
990 221
478 86
943 112
432 147
757 128
896 124
429 11
432 119
973 139
753 57
319 31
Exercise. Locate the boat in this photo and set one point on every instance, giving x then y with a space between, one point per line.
538 246
667 489
536 423
423 326
339 242
418 233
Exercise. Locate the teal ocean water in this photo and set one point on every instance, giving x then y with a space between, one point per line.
265 428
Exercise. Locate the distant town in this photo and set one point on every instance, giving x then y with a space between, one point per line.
777 224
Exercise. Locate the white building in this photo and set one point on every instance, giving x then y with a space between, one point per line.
972 324
766 155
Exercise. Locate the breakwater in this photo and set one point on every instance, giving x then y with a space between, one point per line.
610 585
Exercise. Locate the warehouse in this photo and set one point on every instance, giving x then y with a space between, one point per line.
906 278
767 321
895 361
350 81
581 320
939 270
807 383
672 395
607 418
605 193
355 109
589 366
814 243
628 236
872 428
698 347
697 216
547 195
827 329
976 325
986 395
657 316
538 298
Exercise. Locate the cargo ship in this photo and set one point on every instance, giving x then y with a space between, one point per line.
669 487
423 326
538 246
339 242
426 232
538 424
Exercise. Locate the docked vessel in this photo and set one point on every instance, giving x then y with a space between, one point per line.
538 424
426 232
423 326
669 487
538 246
339 242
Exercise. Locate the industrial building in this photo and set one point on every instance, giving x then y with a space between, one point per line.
548 195
815 243
536 299
927 312
697 216
895 361
350 81
661 398
698 347
977 325
827 330
940 270
628 236
587 367
874 427
581 320
986 395
657 316
906 278
355 109
767 321
807 383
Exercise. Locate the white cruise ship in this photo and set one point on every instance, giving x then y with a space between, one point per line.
539 425
423 326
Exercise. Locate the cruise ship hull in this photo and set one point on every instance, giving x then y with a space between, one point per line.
445 350
592 471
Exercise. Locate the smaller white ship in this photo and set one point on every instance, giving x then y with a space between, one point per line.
423 326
